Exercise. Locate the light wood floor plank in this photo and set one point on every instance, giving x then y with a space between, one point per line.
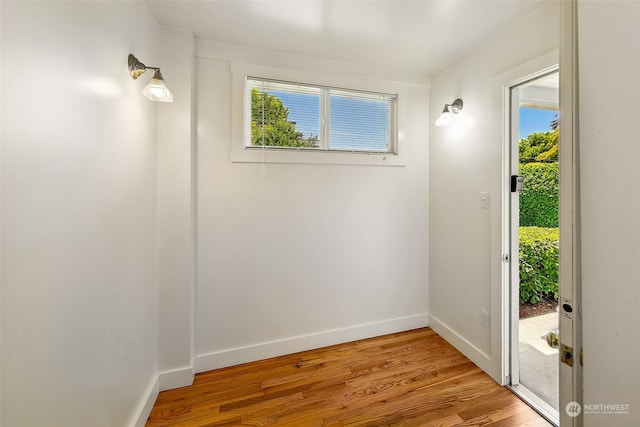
406 379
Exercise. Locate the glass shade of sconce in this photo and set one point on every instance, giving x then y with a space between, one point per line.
156 89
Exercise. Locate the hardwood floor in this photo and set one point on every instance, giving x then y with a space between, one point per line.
412 378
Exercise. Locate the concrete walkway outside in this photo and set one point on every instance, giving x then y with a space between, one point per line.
538 361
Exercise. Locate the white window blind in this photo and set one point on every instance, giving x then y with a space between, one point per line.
299 116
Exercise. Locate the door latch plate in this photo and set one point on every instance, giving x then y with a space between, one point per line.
566 355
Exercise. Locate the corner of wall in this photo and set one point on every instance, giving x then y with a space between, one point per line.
146 403
474 354
177 378
176 216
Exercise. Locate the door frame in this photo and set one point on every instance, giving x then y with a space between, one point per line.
570 255
511 241
506 80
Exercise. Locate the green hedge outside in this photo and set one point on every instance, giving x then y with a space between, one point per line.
539 200
538 264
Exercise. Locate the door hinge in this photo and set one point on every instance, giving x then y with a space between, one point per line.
505 258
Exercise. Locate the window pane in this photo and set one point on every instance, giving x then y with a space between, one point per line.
360 124
285 114
284 118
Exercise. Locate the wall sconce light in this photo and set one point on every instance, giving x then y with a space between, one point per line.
448 112
156 89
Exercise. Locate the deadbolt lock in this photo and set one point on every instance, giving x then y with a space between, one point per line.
567 308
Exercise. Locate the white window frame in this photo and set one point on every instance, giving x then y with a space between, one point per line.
241 119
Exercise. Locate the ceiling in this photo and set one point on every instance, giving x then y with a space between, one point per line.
543 92
420 35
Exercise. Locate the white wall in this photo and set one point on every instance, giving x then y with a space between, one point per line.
609 66
465 159
176 187
1 116
79 295
293 256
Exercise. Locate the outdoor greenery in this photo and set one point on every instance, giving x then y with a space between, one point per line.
538 264
539 200
270 123
539 147
539 271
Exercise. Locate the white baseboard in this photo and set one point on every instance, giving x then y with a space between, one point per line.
474 354
177 378
265 350
163 381
147 403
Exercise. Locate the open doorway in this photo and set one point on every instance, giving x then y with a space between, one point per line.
534 237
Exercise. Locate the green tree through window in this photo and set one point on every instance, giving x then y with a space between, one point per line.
539 147
270 125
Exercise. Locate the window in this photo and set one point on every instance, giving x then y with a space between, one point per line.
288 115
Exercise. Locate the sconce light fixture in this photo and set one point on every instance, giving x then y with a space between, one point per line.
448 112
156 89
